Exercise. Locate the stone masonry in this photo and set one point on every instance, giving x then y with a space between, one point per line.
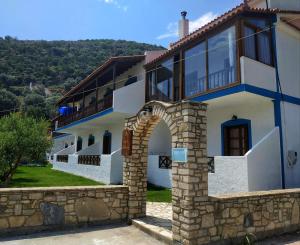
197 217
29 209
187 124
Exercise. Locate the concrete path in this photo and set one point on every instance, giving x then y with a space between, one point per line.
103 235
288 239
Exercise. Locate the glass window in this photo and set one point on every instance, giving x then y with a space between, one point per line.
263 41
195 70
165 80
222 59
151 84
250 43
257 40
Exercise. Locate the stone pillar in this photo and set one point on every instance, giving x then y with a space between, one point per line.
187 123
135 166
189 180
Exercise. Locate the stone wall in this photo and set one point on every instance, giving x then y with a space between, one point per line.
265 213
23 209
197 217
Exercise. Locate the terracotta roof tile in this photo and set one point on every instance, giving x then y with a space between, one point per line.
214 23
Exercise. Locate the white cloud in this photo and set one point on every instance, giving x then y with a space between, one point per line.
116 3
172 28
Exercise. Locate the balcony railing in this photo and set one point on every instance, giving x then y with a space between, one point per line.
93 108
211 164
89 160
62 158
165 162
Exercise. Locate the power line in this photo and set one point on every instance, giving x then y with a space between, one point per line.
155 69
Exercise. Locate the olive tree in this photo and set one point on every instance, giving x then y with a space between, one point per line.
21 137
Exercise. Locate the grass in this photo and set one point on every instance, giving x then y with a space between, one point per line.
158 194
46 177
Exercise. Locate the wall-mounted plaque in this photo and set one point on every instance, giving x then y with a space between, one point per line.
179 155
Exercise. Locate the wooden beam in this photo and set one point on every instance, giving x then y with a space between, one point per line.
181 73
114 76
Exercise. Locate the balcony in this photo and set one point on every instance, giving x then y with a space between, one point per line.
100 105
124 102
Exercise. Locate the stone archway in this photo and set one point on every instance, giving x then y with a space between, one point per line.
187 124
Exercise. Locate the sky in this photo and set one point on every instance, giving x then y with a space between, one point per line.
148 21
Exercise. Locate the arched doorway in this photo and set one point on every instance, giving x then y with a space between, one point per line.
187 124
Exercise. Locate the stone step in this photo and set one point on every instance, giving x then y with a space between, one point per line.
160 233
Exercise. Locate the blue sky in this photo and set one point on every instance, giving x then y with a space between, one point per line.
149 21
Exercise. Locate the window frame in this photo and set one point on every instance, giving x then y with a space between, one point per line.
257 31
238 22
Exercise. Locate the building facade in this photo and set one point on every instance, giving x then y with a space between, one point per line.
244 65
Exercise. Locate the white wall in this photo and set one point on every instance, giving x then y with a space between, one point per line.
160 142
59 143
258 170
129 99
91 150
67 151
290 115
230 175
115 128
156 175
288 55
263 161
261 114
285 4
110 170
257 74
116 172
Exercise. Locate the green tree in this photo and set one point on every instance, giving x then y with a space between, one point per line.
21 138
8 101
69 84
35 106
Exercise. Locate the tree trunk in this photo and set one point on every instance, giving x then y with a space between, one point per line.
6 177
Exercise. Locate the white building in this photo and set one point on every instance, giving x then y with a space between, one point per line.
244 65
94 116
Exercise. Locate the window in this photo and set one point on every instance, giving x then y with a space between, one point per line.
257 40
106 143
79 144
165 80
91 140
222 59
160 82
195 70
151 84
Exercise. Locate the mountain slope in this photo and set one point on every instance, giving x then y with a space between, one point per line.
52 62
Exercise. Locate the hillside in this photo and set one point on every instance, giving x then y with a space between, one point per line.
48 68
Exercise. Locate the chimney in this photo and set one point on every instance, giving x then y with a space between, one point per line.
183 25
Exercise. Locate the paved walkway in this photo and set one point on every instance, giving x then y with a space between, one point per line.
159 218
160 214
103 235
